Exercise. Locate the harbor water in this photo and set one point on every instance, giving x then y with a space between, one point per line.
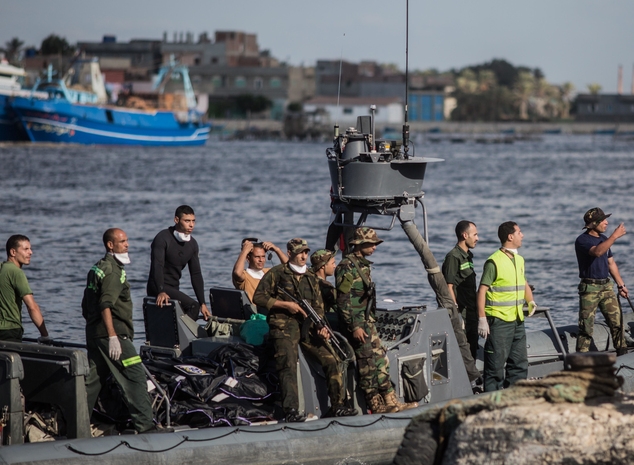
64 197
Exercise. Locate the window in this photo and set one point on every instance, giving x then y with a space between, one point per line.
240 82
347 111
217 82
275 83
258 83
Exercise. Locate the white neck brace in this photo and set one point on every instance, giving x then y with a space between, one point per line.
122 258
257 274
182 237
298 269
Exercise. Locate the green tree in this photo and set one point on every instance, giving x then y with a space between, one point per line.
523 89
12 50
594 88
54 45
567 88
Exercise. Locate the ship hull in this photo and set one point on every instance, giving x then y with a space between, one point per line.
59 121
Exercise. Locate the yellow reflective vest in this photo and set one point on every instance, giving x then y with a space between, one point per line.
505 298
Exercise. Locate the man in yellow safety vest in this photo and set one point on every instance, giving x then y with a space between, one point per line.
501 296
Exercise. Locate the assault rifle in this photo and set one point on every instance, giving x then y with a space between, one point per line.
319 322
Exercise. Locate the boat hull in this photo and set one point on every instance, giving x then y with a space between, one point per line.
59 121
10 127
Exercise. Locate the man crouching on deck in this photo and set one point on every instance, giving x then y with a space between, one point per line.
286 320
107 308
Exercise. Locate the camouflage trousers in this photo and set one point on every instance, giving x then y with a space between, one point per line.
602 296
372 363
285 331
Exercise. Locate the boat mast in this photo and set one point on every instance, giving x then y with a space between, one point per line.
405 124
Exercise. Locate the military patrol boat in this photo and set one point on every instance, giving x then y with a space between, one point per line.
426 365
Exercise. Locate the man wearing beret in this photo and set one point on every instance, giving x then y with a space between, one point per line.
287 319
596 265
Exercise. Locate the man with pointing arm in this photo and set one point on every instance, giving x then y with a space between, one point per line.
596 265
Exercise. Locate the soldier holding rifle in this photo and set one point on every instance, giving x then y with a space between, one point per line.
290 327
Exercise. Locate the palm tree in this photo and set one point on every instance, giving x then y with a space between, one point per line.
567 88
467 82
523 89
594 88
486 80
12 50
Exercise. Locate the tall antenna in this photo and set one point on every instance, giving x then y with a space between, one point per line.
339 89
405 125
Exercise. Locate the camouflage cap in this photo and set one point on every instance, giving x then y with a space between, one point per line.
320 258
297 245
365 235
593 217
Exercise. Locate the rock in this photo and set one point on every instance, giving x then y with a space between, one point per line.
599 431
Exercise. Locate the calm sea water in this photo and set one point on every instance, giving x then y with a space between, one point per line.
64 197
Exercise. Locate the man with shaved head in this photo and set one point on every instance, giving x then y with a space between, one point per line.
107 308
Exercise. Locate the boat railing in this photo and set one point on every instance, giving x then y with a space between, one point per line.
545 312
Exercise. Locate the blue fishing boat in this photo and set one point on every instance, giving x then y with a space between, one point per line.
76 112
11 86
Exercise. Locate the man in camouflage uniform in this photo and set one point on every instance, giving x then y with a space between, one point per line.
323 265
596 264
290 327
355 302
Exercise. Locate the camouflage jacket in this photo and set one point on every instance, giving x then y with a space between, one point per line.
352 295
282 276
328 295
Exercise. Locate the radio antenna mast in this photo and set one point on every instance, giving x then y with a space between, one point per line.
339 89
405 124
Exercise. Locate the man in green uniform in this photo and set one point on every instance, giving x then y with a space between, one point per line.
501 296
289 327
323 265
107 308
15 289
461 280
355 302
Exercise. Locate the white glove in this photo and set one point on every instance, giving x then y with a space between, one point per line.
44 339
114 347
532 306
483 327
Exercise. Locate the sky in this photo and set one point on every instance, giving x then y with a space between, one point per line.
581 41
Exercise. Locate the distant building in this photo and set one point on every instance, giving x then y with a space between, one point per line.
389 110
144 55
366 79
605 108
428 96
229 66
301 83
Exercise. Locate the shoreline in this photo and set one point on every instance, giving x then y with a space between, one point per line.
455 127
